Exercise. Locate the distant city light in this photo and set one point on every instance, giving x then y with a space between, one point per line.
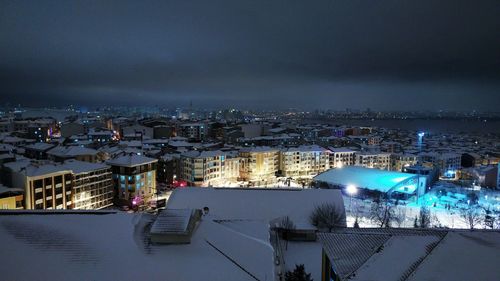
421 134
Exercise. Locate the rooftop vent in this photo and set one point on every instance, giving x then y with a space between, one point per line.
174 226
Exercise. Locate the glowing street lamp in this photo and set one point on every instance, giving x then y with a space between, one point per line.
351 190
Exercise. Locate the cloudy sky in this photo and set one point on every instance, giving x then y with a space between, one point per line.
415 54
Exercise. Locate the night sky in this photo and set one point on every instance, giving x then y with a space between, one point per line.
386 55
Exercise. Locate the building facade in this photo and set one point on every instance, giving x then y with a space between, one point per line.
134 178
259 165
304 161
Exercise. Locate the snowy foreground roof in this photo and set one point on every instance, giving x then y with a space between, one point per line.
263 204
373 179
117 247
412 254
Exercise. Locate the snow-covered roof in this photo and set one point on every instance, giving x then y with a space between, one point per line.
40 146
259 149
256 203
373 179
202 154
412 254
341 150
8 190
71 151
131 160
82 167
34 168
306 148
36 246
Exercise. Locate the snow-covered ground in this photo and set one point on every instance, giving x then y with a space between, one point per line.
440 217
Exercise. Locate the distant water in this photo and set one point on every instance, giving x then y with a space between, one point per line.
426 125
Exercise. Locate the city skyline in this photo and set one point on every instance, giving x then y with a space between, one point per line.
331 55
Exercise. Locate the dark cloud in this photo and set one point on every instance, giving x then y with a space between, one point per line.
329 54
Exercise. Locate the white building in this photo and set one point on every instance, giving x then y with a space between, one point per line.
377 160
340 157
306 160
259 165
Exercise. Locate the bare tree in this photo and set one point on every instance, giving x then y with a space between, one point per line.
286 224
424 217
399 216
382 212
327 216
471 216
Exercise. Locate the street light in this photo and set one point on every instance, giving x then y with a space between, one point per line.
351 190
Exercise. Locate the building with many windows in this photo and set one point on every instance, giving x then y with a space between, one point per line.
193 131
259 165
46 185
134 178
92 185
400 161
306 160
202 168
340 157
377 160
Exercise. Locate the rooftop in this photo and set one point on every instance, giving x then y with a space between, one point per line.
71 151
373 179
263 204
131 160
34 247
412 254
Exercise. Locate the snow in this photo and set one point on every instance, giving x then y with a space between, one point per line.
465 255
81 167
373 179
413 254
306 253
131 160
114 247
70 151
399 253
256 203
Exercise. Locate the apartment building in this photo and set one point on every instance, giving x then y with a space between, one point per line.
304 161
46 185
202 168
259 165
341 157
134 178
400 161
377 160
92 185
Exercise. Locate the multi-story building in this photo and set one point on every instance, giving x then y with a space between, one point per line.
399 161
304 161
46 185
202 168
11 198
134 178
92 185
168 168
378 160
259 165
193 131
447 163
340 157
232 166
